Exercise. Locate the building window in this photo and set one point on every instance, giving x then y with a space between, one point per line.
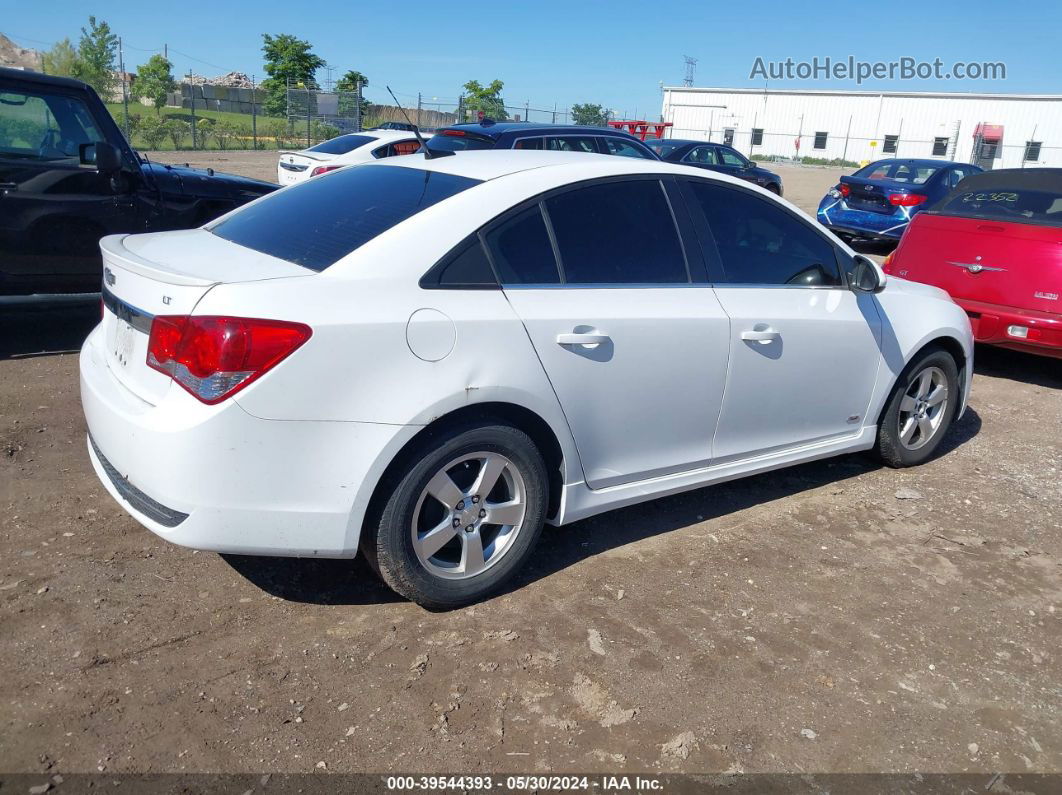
940 147
1032 150
757 136
820 140
889 147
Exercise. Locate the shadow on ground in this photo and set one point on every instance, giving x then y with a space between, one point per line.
347 582
1017 366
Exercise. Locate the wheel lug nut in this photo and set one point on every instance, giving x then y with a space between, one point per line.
469 529
482 513
457 522
475 499
460 506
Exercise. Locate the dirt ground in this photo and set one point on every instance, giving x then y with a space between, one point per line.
836 616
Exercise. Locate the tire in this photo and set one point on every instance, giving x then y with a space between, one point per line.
435 490
775 189
901 443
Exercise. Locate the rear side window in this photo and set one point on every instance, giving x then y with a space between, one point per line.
466 268
617 146
617 233
1026 206
663 147
342 144
761 243
317 222
522 251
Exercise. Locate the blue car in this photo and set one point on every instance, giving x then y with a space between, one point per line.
878 201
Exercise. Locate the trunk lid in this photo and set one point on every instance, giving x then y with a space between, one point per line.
996 262
300 162
873 194
166 274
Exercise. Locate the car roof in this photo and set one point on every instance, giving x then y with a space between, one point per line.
488 164
681 141
1043 179
499 128
388 135
918 161
41 79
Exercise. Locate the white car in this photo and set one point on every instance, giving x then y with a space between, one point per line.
506 339
344 150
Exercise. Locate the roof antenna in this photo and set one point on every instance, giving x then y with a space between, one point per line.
428 154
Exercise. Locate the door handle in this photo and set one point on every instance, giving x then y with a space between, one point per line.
582 339
766 334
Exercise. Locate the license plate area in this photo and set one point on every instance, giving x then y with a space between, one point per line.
123 343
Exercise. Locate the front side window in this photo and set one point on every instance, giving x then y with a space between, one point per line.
702 155
617 146
522 251
318 222
45 127
617 233
663 146
763 244
731 158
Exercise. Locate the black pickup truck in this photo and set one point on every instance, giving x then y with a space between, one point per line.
68 177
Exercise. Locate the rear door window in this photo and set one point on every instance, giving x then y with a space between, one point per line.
619 232
317 222
571 143
522 251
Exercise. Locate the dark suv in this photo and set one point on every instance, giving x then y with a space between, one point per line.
554 137
68 177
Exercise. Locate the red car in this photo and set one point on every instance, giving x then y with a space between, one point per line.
995 244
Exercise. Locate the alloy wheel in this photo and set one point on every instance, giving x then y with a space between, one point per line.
468 515
923 408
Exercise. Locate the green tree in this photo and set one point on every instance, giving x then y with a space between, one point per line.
153 131
177 130
96 52
349 83
60 60
592 115
153 80
485 98
287 58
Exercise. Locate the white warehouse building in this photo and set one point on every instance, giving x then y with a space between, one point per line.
992 130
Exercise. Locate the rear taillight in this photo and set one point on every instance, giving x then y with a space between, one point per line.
456 133
215 357
844 190
323 170
906 199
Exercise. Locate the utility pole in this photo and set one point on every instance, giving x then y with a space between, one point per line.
554 112
191 93
125 92
254 114
527 109
357 107
418 110
844 154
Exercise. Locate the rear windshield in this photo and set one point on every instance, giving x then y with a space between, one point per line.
342 144
911 173
317 222
1028 206
458 141
664 147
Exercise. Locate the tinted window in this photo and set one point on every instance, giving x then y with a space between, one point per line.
571 143
731 158
617 233
528 143
468 267
458 141
664 147
1027 206
522 251
342 144
617 146
761 243
898 171
45 127
703 155
317 222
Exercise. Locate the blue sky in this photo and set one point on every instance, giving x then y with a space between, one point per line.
615 53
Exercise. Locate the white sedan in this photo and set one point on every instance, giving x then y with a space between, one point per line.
344 150
506 339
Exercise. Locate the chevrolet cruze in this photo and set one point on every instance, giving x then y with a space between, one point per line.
427 359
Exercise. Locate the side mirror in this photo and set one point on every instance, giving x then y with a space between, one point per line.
106 157
864 276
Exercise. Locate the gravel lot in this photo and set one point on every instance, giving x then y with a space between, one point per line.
837 616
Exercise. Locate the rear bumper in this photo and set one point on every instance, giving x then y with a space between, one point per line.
991 324
836 215
217 478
